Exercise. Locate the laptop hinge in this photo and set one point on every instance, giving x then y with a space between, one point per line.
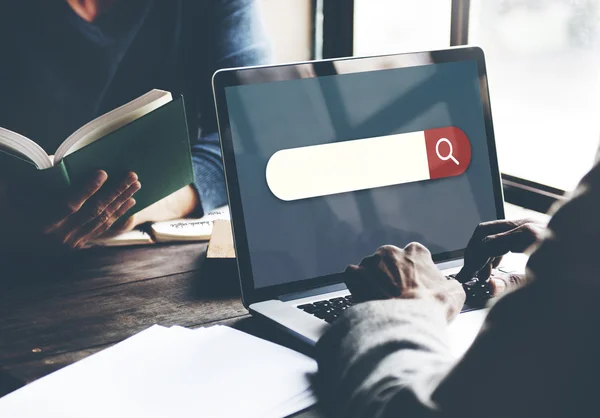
313 292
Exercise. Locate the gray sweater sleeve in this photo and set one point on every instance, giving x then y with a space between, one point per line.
536 355
532 358
380 352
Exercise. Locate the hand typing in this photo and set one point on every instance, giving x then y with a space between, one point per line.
407 273
491 241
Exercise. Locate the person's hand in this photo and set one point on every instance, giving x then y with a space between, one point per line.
69 220
176 205
491 241
407 273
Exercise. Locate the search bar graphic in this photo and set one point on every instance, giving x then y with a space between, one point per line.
362 164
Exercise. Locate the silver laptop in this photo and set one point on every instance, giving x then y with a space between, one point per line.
326 161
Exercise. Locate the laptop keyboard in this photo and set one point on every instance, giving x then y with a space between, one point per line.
474 288
328 310
477 293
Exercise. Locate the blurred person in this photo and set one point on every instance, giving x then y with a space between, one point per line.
66 62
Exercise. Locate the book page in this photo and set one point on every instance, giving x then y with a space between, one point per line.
24 148
189 229
135 237
111 121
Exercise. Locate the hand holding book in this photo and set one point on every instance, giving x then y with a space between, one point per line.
80 192
71 218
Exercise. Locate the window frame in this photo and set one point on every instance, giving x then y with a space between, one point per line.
333 37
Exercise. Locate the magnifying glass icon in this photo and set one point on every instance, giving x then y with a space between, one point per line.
450 151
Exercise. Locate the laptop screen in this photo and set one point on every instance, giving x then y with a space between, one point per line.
331 167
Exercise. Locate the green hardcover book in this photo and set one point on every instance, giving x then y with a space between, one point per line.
148 136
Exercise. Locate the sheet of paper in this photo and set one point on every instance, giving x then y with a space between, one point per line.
135 237
275 373
299 403
210 372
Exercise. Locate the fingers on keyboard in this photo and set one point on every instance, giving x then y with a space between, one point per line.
328 310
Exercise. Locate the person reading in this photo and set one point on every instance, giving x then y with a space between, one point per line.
74 60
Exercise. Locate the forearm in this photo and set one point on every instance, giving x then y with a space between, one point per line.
209 179
389 359
177 205
384 350
206 193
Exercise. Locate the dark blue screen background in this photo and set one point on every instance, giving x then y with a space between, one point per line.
291 241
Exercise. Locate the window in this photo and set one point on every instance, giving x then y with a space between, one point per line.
288 24
391 26
543 61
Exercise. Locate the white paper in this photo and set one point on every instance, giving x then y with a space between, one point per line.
134 237
299 403
210 372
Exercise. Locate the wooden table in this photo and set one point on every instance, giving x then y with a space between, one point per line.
57 312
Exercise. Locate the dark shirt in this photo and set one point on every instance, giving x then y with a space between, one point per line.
59 71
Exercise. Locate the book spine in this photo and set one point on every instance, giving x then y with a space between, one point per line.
15 169
56 177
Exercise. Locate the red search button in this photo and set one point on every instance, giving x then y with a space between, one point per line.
448 151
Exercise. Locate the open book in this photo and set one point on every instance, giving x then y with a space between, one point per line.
148 135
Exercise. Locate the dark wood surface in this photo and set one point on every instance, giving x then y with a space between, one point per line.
56 312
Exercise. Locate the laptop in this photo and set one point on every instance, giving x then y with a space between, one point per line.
325 161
